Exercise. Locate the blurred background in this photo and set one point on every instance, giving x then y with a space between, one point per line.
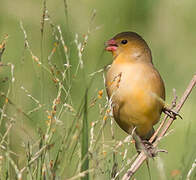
42 44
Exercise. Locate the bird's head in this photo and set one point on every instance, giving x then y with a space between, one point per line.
129 44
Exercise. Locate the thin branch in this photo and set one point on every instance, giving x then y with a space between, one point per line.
142 156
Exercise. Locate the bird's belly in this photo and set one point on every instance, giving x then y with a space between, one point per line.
135 102
140 111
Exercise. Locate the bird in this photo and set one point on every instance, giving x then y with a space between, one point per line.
134 85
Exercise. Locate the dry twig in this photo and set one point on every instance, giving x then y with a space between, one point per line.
142 156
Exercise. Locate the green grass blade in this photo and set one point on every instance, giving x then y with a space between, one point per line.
84 141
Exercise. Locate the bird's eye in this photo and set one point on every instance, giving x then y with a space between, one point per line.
124 41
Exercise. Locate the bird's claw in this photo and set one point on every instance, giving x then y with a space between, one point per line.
150 150
171 113
161 150
146 147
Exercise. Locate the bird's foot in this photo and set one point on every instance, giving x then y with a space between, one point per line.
171 113
148 149
146 146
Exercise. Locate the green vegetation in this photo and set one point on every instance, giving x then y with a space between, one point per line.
55 120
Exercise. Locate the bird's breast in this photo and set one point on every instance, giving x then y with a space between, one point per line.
127 82
135 90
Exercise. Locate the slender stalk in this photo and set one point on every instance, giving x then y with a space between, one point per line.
84 150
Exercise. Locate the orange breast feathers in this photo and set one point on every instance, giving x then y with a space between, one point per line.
136 91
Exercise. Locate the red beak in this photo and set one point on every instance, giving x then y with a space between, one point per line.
111 45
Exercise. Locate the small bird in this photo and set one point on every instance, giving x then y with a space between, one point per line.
133 84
